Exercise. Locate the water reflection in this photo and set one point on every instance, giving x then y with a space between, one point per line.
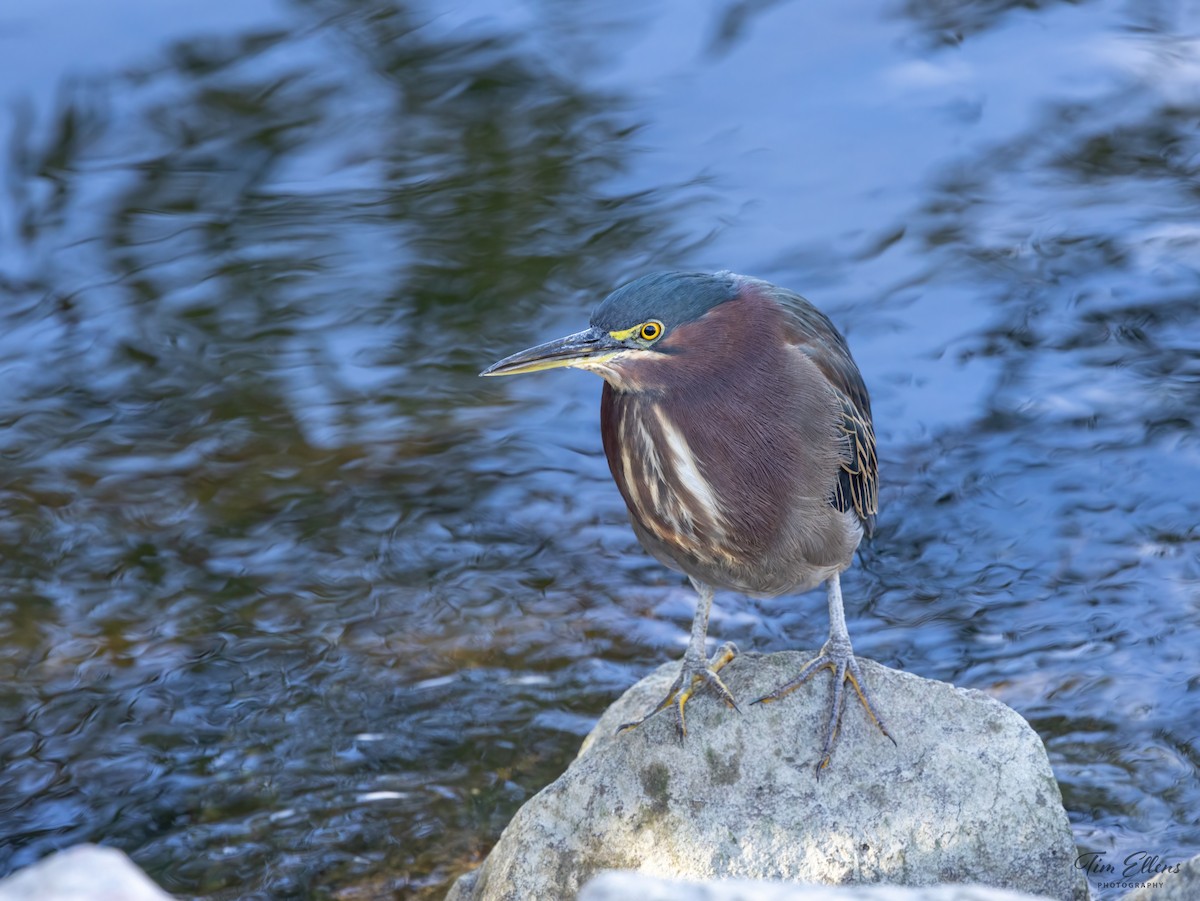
249 520
297 606
1082 609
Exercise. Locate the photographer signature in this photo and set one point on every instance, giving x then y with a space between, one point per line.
1139 863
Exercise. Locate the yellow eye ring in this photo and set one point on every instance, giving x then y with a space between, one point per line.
651 331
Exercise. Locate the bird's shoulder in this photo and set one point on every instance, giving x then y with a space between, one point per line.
812 333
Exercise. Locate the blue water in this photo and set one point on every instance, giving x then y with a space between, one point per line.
294 605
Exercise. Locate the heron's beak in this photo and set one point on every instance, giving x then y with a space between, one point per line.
583 350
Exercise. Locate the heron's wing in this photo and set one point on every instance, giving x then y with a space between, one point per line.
815 335
858 479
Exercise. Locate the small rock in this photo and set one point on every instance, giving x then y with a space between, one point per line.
966 795
82 873
621 885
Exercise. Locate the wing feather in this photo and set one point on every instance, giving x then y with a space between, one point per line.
858 478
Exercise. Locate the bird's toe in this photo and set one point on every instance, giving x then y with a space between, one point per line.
845 668
694 676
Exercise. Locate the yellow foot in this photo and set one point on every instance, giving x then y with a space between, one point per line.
693 676
845 669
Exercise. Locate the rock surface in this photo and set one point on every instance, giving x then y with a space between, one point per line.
621 885
82 873
966 795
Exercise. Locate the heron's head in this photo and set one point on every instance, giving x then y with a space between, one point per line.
649 325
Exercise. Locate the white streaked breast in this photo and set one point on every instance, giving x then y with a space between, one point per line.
687 470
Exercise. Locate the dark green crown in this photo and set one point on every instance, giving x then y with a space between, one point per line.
670 297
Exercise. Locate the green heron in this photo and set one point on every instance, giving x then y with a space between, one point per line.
738 429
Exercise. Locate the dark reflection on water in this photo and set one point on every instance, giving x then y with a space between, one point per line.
296 606
949 22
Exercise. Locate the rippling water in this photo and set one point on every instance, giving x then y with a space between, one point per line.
294 605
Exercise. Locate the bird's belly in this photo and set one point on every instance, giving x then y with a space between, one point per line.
796 560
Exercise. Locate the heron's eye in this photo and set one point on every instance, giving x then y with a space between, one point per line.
651 331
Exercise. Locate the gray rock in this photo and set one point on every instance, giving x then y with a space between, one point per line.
82 873
1181 886
621 885
965 796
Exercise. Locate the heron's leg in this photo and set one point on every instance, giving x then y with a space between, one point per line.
836 655
696 671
